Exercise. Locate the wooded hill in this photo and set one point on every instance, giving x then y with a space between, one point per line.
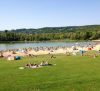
59 29
89 32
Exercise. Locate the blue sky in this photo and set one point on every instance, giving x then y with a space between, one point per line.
15 14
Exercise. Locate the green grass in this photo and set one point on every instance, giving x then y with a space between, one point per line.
71 73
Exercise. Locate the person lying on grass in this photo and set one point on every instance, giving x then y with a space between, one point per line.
43 63
29 65
32 65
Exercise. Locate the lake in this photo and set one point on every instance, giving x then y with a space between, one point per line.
6 46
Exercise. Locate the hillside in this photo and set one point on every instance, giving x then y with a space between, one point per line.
89 32
59 29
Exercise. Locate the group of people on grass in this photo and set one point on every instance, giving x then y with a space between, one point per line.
34 65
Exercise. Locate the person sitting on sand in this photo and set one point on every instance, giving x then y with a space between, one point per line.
13 52
1 54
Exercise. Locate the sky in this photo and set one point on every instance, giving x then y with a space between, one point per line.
16 14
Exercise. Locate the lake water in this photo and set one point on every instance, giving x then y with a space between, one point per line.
6 46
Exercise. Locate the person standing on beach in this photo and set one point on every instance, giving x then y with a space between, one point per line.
81 52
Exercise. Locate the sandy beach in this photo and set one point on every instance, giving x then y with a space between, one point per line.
48 50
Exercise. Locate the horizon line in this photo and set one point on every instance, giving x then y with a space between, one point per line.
51 27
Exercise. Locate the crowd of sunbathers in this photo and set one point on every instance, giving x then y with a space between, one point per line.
34 65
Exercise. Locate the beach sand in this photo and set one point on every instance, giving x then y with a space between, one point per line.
45 51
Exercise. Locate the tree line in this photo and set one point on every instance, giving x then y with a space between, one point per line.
76 35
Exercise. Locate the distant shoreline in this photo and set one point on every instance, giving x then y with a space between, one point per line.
44 41
96 40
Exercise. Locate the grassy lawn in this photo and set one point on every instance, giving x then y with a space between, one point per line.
71 73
